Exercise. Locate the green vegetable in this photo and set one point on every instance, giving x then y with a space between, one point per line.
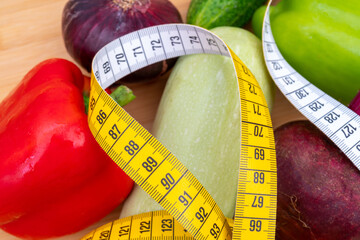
199 118
122 95
215 13
321 40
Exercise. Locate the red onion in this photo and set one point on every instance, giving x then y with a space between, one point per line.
318 190
88 25
318 186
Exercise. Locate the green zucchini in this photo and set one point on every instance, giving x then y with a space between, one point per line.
214 13
198 118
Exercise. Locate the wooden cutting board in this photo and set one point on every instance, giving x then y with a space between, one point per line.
30 31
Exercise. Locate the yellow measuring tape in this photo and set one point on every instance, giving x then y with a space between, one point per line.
168 181
152 225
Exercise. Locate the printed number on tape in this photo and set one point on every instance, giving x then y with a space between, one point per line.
170 179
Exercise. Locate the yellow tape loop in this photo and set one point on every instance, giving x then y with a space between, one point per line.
255 213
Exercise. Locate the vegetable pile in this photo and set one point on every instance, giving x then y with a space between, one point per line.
51 165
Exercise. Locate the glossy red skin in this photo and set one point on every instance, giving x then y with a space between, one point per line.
54 177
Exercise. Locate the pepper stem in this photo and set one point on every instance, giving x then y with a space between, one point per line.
122 95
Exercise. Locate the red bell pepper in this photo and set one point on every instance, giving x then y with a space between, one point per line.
54 177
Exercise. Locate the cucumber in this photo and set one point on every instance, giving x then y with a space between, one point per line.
214 13
198 118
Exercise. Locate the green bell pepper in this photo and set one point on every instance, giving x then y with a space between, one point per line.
321 40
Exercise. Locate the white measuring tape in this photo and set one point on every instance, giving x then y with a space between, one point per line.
338 122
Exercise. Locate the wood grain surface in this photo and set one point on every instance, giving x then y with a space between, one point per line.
30 31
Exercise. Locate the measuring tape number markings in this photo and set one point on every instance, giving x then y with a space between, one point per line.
152 225
156 169
335 120
338 122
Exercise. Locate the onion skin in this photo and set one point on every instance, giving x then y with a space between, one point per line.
289 225
88 25
321 181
